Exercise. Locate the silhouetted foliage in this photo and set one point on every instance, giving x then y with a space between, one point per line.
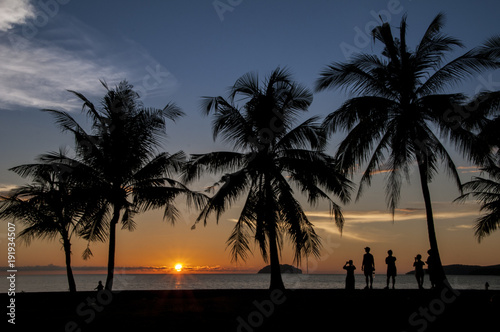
400 104
51 207
123 166
270 153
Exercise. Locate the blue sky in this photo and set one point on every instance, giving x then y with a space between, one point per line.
178 51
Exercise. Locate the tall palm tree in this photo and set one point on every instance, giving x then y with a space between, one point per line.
400 104
123 166
50 207
269 154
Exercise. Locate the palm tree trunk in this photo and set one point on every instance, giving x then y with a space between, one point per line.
69 271
438 271
112 245
276 280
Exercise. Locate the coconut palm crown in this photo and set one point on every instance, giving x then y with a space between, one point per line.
271 153
400 110
51 207
123 166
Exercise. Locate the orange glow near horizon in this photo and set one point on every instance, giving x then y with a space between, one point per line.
178 267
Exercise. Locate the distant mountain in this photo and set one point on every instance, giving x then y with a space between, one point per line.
285 268
459 269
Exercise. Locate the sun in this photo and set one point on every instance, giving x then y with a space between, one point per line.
178 267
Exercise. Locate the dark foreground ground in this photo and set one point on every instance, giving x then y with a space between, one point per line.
258 310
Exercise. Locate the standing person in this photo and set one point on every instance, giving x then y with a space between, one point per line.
368 266
391 269
430 268
419 271
349 280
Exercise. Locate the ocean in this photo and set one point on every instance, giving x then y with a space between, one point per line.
87 282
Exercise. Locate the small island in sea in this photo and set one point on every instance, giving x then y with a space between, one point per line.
285 268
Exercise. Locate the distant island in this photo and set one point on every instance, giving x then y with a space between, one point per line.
459 269
285 268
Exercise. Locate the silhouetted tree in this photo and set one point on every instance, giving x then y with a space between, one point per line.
270 152
400 105
49 208
124 168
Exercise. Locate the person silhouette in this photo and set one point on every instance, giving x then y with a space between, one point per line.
391 269
368 266
349 280
99 287
419 271
431 268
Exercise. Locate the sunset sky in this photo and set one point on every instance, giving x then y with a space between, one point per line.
178 51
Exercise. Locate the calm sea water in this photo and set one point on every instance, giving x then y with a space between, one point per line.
87 282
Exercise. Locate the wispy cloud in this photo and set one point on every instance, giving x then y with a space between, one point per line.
468 169
348 232
381 171
36 72
377 216
460 227
6 188
14 12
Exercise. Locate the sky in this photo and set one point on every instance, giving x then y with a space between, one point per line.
178 51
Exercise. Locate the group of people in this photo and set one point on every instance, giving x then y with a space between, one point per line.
368 267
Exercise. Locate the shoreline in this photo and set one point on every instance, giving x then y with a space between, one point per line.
43 283
258 310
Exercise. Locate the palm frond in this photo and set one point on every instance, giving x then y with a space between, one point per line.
308 133
232 186
172 111
465 66
213 163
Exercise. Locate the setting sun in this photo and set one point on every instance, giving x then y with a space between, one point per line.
178 267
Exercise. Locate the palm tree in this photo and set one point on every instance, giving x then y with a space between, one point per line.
269 154
50 207
400 103
123 167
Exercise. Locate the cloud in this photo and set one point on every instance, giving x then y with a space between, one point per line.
347 232
468 169
381 171
38 76
6 188
460 227
37 70
376 216
14 12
